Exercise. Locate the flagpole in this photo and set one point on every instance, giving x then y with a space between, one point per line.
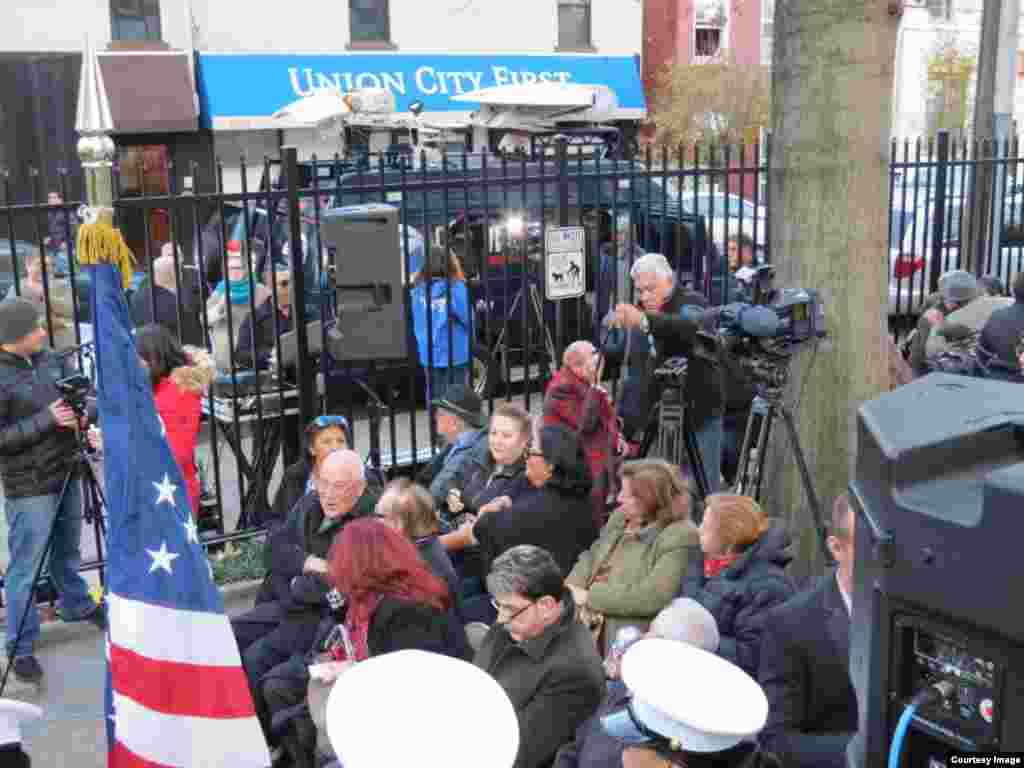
95 146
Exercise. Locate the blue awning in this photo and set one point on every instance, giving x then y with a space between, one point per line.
240 91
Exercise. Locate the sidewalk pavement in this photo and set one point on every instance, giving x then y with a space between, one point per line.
73 730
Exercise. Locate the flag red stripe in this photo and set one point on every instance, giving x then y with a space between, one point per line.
174 688
122 757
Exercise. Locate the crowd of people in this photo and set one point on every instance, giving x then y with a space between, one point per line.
540 549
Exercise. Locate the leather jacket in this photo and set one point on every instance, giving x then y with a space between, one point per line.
35 453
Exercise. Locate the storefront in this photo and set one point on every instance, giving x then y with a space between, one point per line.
239 92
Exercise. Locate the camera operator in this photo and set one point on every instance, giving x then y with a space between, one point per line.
665 325
38 448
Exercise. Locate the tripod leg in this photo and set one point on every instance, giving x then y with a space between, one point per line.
805 479
694 457
762 449
538 308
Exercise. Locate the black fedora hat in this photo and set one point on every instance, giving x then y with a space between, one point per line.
464 403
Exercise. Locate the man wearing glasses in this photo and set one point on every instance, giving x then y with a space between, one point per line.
537 651
299 566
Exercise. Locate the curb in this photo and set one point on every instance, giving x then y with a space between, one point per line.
57 632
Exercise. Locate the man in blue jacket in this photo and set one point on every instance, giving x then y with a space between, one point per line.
459 414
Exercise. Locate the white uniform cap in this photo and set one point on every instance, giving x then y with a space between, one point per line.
12 714
695 699
394 709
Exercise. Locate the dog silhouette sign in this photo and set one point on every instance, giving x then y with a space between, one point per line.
564 263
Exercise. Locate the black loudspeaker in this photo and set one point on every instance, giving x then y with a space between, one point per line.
368 276
939 495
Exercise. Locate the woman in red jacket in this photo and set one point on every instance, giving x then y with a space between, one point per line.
180 378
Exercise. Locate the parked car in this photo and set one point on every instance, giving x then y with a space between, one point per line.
23 249
911 260
495 217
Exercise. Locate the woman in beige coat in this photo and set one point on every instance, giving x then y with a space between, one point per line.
635 567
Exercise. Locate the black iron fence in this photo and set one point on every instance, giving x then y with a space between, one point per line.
236 271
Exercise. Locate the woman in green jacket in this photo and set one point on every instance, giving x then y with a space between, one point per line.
635 567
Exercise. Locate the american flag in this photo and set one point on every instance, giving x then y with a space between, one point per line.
176 691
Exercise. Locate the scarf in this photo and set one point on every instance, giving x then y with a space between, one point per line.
713 566
238 290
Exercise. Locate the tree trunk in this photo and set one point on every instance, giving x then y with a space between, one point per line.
832 83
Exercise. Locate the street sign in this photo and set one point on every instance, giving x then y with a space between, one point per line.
565 275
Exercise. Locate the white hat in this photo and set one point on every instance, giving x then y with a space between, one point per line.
694 699
394 710
12 714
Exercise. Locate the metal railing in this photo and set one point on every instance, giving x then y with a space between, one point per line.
493 214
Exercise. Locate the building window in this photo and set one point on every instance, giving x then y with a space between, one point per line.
709 32
369 21
574 24
135 19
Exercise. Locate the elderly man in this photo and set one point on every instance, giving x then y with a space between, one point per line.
805 654
537 651
459 414
683 621
575 400
666 324
157 302
298 556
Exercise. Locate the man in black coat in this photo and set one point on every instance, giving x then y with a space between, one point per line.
1002 334
540 655
804 670
668 323
38 461
157 302
299 567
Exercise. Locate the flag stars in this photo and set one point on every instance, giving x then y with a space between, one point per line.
166 491
162 559
191 531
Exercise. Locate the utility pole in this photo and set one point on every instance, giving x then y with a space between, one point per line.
1002 118
996 76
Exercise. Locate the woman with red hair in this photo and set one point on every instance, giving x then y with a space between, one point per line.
393 600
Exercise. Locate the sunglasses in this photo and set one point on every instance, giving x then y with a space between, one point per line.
322 422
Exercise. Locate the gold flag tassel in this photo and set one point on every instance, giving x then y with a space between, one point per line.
100 243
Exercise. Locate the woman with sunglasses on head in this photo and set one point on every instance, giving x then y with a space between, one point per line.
634 569
324 434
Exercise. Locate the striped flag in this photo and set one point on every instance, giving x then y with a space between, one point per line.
176 691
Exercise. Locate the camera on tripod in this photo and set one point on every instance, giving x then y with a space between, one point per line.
74 390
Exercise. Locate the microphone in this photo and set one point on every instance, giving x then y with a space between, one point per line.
759 322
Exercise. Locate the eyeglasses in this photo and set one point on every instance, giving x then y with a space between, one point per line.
514 614
322 422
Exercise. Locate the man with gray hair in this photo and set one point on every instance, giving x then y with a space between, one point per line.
667 322
157 301
298 566
684 620
540 655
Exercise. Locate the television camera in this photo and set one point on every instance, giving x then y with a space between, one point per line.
74 390
763 335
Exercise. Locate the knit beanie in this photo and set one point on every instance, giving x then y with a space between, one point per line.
18 318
